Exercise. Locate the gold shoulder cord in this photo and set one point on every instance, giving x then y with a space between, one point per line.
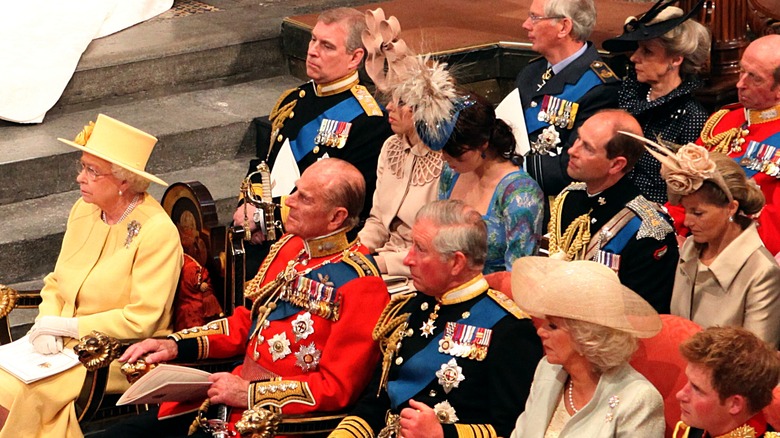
389 331
278 116
253 291
721 142
577 234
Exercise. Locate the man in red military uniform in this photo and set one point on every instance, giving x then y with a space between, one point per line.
307 339
749 131
731 375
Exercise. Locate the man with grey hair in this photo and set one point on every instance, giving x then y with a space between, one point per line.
449 344
316 298
332 115
562 88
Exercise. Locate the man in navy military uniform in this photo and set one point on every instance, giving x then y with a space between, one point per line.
604 218
459 357
330 116
562 88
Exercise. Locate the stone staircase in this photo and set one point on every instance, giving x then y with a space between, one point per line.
195 81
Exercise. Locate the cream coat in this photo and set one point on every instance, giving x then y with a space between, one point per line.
742 287
638 407
125 292
407 179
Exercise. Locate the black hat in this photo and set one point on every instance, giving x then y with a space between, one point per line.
639 29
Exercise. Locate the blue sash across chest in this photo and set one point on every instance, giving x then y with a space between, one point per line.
571 92
419 370
621 239
346 110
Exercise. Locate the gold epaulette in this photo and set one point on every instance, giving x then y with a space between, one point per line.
575 186
771 434
275 111
681 430
363 266
653 223
366 101
507 304
603 71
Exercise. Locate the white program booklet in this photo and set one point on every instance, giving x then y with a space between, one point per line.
167 383
20 359
510 110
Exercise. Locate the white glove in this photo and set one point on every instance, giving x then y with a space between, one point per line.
56 326
47 344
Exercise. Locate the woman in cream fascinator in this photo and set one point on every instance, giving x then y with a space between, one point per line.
725 276
117 273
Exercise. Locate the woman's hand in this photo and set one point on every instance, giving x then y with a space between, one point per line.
162 350
47 344
228 389
419 421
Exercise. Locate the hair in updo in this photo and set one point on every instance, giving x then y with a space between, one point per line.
743 190
690 39
477 124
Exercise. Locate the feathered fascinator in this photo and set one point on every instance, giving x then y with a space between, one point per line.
416 81
686 170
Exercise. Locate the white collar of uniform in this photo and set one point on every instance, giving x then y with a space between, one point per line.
337 86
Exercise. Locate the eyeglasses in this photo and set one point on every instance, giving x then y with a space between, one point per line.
537 18
92 174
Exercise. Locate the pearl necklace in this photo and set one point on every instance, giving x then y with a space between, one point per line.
571 397
648 94
129 208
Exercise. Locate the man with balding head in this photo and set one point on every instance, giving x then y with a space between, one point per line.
749 131
604 218
307 338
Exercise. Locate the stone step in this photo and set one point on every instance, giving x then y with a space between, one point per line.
194 129
222 42
32 230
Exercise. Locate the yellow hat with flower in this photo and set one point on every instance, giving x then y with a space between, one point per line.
117 143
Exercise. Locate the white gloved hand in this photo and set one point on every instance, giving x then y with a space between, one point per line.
47 344
55 326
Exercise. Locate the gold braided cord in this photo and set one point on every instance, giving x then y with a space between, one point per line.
389 331
278 115
721 142
254 290
577 234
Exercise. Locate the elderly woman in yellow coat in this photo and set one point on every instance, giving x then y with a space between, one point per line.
117 273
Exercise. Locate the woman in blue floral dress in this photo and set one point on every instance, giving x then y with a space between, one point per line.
483 170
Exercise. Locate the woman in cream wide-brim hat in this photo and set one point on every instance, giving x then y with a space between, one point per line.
584 386
117 273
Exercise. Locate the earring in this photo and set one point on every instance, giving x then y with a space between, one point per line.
484 155
731 218
120 193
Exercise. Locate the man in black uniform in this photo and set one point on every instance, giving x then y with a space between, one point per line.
330 116
459 357
604 218
731 375
563 87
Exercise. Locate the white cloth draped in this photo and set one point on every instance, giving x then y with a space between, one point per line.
43 42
